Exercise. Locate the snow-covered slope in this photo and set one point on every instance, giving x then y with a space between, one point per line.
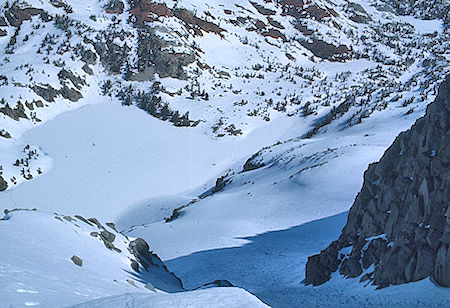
203 127
55 260
215 297
226 69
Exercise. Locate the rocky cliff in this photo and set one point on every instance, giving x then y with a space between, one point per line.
398 229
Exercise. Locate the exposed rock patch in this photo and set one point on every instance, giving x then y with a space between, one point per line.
112 56
70 94
358 13
47 92
144 10
14 113
318 12
3 22
262 10
325 50
68 75
87 69
197 23
16 15
152 59
114 7
275 33
252 163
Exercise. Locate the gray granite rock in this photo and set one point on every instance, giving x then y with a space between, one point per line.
400 220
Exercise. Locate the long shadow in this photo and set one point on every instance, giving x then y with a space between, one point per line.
271 265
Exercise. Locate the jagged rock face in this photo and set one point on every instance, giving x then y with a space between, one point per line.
400 221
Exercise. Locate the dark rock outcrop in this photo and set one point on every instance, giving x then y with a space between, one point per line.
87 69
78 82
14 113
47 92
3 184
3 22
70 94
147 261
16 15
400 221
5 134
141 250
252 163
88 57
153 59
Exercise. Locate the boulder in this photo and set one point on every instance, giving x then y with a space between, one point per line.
76 260
3 184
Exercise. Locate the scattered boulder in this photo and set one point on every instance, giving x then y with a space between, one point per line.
107 236
132 283
77 261
108 239
147 261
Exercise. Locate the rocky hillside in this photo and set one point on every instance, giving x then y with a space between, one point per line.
398 228
224 68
